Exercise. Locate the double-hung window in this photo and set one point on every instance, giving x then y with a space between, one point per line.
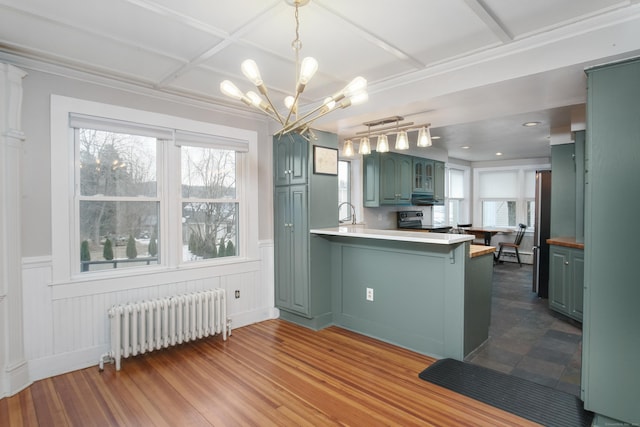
499 192
117 204
505 196
135 191
209 196
456 207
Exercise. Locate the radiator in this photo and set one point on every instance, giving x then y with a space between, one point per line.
141 327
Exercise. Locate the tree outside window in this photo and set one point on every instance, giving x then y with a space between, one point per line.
209 206
118 201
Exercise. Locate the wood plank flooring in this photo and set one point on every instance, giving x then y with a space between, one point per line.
269 374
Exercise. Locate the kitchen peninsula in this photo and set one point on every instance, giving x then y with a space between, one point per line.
429 292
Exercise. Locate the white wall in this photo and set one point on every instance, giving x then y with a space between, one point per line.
66 325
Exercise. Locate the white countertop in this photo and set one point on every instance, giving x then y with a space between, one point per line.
398 235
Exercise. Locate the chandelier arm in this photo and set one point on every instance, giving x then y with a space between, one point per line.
268 113
296 124
300 123
277 114
294 106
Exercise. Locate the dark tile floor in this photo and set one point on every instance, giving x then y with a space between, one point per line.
526 339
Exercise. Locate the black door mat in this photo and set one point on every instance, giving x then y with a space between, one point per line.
535 402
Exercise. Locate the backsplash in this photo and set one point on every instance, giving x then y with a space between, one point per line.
384 217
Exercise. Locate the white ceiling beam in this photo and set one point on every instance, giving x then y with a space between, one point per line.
373 39
490 20
228 39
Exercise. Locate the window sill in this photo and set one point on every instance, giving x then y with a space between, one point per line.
94 284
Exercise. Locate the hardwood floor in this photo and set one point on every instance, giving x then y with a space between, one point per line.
271 373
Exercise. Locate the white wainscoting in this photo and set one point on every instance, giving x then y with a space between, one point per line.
63 332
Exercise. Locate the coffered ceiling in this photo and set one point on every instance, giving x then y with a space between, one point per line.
475 69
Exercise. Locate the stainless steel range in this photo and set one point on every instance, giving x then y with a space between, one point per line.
412 220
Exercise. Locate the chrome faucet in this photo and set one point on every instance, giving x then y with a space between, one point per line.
353 212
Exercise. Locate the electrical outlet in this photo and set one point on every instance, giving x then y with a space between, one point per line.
369 294
237 293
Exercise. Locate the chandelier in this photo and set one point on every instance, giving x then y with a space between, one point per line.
294 119
382 143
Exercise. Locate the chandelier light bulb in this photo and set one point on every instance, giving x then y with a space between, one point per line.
359 98
251 71
255 98
308 68
288 102
383 144
329 103
356 85
231 90
365 146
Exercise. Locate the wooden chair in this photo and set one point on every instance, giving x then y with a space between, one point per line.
515 245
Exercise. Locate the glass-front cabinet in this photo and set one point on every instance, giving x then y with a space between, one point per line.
422 176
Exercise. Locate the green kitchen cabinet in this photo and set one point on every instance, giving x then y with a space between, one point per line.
422 175
438 183
566 281
290 160
291 229
371 180
611 332
302 290
387 179
391 179
396 173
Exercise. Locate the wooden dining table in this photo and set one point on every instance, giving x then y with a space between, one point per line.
486 233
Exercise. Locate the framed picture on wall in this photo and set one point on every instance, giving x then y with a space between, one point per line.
325 160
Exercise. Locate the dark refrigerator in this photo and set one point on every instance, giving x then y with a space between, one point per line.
541 234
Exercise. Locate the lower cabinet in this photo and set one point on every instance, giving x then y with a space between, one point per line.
291 231
566 280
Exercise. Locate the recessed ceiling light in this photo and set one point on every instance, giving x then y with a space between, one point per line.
531 124
498 154
465 147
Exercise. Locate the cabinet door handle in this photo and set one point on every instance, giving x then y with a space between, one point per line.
566 263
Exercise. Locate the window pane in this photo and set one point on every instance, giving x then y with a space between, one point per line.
118 234
209 230
529 183
499 213
344 190
208 173
454 212
498 184
115 164
531 213
438 216
456 183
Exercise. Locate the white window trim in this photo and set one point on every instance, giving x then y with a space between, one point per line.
62 199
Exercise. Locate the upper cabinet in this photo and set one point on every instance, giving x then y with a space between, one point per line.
567 188
392 178
290 160
395 179
422 175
